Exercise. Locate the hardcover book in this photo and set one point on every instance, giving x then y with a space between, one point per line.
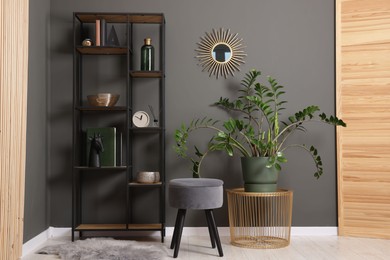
108 156
97 33
103 33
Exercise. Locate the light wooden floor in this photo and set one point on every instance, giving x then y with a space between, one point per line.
301 247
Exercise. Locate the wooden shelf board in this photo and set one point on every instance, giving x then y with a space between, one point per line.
146 129
94 227
102 50
136 184
145 226
115 108
109 17
145 74
146 18
120 17
101 227
103 168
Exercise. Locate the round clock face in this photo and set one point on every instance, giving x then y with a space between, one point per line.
141 119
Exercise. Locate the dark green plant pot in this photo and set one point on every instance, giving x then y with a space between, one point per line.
257 177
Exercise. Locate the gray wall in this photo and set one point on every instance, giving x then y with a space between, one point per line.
291 40
36 193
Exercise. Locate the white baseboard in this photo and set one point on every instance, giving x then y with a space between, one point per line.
35 242
225 231
314 231
52 232
59 232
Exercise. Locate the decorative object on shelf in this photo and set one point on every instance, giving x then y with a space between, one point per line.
103 99
108 138
147 55
148 177
87 42
103 32
141 119
259 132
119 149
97 32
112 39
155 120
220 53
95 150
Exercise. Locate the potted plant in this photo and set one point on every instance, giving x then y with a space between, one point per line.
256 133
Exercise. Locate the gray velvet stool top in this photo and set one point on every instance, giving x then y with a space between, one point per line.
199 194
196 193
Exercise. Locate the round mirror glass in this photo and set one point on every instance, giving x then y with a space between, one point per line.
222 53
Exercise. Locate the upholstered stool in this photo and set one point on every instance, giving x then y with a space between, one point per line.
199 194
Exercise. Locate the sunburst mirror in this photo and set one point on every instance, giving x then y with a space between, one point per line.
220 53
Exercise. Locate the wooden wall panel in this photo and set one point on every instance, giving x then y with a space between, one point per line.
363 101
13 103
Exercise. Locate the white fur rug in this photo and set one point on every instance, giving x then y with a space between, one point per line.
105 249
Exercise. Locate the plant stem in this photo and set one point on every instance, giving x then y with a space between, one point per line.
240 147
235 143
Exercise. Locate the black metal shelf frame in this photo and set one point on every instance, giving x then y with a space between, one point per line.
80 111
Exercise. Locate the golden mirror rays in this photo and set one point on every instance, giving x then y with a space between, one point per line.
220 53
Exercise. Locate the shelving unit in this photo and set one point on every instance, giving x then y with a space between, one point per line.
85 116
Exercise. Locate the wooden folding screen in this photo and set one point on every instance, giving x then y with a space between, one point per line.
363 101
13 101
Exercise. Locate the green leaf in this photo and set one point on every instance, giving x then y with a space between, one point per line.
239 124
229 150
222 134
219 146
282 159
228 126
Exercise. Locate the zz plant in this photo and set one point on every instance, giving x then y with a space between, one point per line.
257 131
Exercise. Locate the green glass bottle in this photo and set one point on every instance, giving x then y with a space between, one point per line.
147 55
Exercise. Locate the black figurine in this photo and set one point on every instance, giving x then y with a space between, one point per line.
96 149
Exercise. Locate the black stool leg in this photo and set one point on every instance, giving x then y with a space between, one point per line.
176 229
212 238
210 216
181 215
